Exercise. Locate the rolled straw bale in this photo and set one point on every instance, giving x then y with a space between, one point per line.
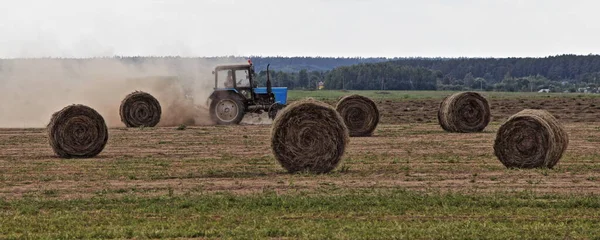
464 112
77 131
530 139
309 135
360 114
140 109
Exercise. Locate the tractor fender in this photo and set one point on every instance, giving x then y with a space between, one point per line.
223 93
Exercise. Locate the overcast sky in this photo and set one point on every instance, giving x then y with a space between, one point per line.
377 28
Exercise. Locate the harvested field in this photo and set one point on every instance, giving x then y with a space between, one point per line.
238 159
410 179
566 109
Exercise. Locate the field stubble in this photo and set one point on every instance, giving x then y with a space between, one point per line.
238 159
234 165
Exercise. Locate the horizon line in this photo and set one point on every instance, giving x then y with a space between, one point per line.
295 56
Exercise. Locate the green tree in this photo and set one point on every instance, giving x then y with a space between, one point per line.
524 85
314 78
479 83
303 79
468 79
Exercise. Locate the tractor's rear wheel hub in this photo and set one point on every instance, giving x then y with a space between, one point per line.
226 110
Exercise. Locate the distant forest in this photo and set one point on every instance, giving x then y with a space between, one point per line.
295 64
556 73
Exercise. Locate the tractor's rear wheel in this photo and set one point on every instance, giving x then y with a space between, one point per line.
227 110
274 109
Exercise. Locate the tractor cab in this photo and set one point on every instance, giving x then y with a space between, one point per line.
236 92
237 78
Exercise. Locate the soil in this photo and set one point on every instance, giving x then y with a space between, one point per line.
567 109
408 150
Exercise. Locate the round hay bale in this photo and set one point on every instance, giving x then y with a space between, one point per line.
309 135
464 112
77 131
360 114
140 109
530 139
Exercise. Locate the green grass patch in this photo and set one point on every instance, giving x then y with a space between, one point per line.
347 214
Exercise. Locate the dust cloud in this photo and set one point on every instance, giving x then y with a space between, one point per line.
256 119
32 89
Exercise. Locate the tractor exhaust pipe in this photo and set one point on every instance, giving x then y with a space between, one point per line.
269 90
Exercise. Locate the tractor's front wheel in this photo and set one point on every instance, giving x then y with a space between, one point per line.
227 110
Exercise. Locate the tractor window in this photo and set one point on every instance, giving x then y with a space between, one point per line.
225 79
242 78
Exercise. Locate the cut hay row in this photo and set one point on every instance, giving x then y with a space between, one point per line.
360 115
464 112
530 139
309 135
77 131
140 109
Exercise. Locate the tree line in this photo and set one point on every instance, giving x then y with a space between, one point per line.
556 68
384 76
556 73
296 64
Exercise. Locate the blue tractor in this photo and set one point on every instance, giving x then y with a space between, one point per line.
236 93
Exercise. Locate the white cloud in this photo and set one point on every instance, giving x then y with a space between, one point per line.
69 28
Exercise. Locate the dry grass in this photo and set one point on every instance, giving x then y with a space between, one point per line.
77 131
237 159
531 139
360 114
411 181
309 136
140 109
464 112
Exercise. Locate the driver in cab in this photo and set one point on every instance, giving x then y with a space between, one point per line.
229 80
